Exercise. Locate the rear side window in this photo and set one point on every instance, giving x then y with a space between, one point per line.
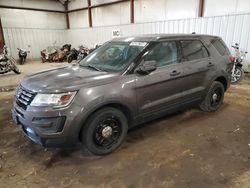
193 49
220 47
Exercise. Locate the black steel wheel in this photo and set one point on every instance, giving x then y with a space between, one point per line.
214 98
105 131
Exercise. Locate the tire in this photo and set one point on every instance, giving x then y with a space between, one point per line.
17 71
70 59
214 98
21 61
104 131
51 59
238 75
43 59
14 67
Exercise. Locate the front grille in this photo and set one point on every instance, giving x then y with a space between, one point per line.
24 97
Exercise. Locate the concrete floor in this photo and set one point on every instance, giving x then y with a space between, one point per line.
188 149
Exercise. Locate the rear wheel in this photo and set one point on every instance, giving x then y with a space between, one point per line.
105 131
214 98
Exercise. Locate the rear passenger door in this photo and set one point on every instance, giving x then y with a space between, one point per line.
196 66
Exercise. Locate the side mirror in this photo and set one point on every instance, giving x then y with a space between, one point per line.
146 67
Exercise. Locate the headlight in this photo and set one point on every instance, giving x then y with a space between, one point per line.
54 100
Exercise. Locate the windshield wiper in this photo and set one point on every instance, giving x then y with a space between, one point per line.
91 66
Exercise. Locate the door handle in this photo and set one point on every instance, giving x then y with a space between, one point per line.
175 73
210 64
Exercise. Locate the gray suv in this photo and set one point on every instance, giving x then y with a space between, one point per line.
125 82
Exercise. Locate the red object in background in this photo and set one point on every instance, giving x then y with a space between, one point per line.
231 59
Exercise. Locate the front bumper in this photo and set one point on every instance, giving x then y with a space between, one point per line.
49 127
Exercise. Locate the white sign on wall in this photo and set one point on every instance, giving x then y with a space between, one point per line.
116 33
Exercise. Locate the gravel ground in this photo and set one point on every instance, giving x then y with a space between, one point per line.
187 149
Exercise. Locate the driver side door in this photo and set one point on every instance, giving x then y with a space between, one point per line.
160 90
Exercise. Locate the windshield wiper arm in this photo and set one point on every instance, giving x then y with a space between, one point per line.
91 66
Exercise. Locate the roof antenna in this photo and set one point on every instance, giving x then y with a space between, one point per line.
193 33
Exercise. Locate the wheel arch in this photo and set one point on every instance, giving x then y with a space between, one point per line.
224 82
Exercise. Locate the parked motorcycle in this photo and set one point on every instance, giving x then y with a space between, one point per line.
48 53
7 63
83 52
73 54
62 54
237 71
22 53
80 54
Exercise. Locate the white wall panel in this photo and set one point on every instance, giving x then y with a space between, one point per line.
111 15
79 19
39 39
43 4
97 2
232 28
225 7
147 11
179 9
243 6
32 19
75 4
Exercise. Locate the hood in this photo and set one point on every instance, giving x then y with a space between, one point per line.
66 79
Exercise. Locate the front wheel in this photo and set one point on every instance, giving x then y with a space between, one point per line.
70 58
13 66
105 131
214 98
21 61
17 71
237 75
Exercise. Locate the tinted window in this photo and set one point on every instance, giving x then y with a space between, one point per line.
113 56
193 49
220 47
164 53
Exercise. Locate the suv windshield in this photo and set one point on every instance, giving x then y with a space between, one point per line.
113 56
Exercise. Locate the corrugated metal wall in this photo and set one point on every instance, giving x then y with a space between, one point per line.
232 28
38 39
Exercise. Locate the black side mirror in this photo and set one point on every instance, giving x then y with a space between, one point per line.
146 67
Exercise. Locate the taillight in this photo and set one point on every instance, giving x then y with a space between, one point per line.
231 59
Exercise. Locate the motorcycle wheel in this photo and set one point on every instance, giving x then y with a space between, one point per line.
70 59
237 75
14 68
21 61
43 59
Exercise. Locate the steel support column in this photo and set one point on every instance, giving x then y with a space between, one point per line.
201 8
90 13
132 11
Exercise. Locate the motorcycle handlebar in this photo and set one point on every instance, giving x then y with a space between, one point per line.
235 47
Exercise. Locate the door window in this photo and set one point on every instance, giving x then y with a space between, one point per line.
193 49
164 53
